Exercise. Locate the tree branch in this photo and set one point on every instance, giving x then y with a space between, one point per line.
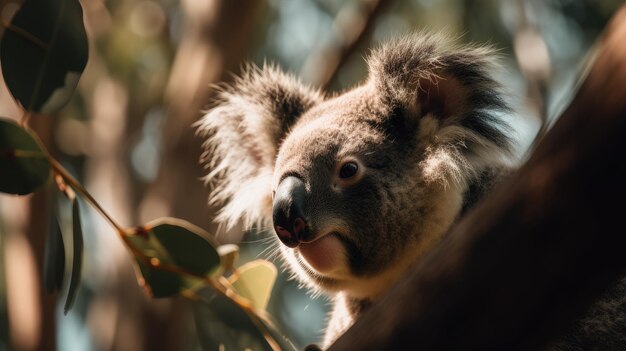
351 26
519 268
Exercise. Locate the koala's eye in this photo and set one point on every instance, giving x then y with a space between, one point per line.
348 170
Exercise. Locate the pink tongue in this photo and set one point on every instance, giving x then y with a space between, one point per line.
324 254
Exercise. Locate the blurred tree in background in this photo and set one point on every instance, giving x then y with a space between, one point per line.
127 135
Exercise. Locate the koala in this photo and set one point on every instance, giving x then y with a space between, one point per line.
358 185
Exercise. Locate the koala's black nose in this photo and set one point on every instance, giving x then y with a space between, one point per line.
288 211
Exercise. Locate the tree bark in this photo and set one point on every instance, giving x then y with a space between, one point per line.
519 268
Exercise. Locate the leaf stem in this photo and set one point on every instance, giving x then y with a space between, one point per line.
60 170
25 118
192 295
68 178
217 286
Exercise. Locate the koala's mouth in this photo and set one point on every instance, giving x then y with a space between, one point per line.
325 254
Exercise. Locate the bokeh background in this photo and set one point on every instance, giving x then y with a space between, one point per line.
127 135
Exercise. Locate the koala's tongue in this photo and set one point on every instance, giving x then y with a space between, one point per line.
324 255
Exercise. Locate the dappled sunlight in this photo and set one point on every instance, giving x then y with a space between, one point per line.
129 135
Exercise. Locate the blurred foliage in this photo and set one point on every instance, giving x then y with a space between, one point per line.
117 130
43 52
22 159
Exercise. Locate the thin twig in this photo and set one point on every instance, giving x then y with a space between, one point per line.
354 24
218 286
124 234
68 178
25 118
194 296
502 278
60 170
158 265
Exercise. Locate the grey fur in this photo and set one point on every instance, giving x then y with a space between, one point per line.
602 328
427 128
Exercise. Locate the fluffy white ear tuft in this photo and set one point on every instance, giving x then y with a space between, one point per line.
243 133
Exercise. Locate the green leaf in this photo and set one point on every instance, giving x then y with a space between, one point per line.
161 283
254 281
54 254
221 324
22 160
43 52
173 243
77 259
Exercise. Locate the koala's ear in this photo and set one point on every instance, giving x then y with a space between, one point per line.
243 132
448 95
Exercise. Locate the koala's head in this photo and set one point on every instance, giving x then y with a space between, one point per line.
358 185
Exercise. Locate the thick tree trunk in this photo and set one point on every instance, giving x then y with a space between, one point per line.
519 268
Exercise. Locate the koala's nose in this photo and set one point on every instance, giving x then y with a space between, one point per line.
288 211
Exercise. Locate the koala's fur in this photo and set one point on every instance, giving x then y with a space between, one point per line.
427 130
424 129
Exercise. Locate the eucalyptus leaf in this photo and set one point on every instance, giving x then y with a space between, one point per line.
221 324
77 258
43 52
160 283
254 281
173 243
54 254
22 160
